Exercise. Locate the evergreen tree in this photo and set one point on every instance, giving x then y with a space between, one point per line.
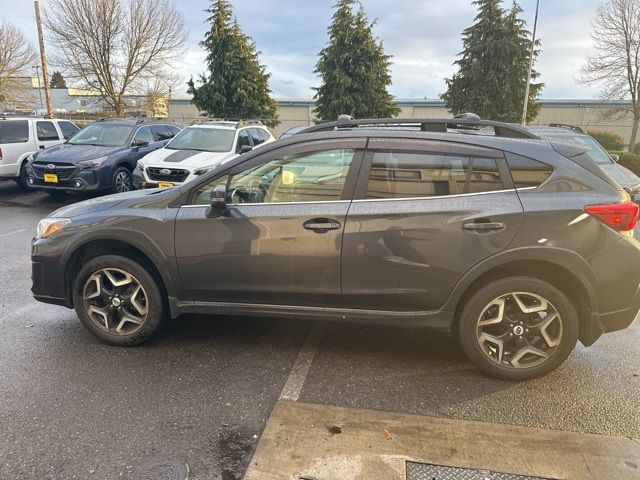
57 80
237 84
492 70
355 70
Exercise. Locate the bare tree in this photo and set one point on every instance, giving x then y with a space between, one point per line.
115 47
615 65
17 57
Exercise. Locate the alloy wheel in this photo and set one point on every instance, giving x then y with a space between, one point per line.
519 330
123 182
115 301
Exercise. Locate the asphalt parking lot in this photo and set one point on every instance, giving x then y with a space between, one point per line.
203 389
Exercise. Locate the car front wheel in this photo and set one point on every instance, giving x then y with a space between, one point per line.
518 328
118 300
122 180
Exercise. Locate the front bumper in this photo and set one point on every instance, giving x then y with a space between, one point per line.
71 179
48 282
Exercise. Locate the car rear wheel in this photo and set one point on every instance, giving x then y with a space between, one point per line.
122 180
518 328
118 300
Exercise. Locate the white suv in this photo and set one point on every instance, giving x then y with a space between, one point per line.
196 150
21 137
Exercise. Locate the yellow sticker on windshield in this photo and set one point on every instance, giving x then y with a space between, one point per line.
288 177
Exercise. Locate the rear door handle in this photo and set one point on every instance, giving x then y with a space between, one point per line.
483 226
321 225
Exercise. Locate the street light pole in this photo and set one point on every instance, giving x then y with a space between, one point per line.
43 60
533 47
37 67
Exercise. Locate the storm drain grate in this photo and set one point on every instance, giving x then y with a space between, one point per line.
427 471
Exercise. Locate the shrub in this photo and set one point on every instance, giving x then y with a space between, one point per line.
636 149
610 141
629 160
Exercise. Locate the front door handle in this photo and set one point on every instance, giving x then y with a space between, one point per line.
483 225
321 225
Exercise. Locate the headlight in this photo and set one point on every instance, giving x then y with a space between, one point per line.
200 171
95 163
51 226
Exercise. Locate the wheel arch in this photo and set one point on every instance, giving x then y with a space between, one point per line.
75 258
563 269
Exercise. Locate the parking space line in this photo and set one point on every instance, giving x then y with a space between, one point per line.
12 233
293 386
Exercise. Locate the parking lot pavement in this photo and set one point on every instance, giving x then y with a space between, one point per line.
203 389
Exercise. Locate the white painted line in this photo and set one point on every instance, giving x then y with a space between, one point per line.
293 387
12 233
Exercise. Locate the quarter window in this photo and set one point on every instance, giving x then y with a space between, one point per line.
47 131
406 175
310 177
528 173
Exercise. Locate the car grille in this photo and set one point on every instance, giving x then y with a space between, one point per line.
161 175
63 170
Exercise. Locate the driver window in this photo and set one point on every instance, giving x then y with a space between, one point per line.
243 139
143 135
202 196
309 177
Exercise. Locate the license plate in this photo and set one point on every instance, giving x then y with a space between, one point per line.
51 177
165 184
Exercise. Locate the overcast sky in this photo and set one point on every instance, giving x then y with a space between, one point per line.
422 35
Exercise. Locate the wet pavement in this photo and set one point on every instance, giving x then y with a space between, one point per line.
203 389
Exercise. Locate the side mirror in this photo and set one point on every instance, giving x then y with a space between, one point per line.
615 157
245 149
218 201
140 143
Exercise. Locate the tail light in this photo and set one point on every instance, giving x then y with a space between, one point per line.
622 217
0 154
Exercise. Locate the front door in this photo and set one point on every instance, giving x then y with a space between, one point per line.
424 213
279 241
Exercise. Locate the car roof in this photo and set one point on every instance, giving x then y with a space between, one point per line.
567 131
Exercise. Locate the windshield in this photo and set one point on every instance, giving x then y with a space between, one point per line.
103 135
203 139
596 152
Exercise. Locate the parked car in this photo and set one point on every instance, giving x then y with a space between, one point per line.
575 135
518 246
198 149
101 157
22 137
292 131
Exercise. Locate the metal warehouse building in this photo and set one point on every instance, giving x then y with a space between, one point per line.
587 114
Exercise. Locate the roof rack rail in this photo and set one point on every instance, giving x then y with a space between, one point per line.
239 123
570 127
465 121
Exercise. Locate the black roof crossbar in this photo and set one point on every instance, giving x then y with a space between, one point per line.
467 121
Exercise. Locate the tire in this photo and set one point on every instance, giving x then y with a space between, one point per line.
22 178
121 181
506 333
102 315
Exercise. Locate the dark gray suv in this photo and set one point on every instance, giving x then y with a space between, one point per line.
518 246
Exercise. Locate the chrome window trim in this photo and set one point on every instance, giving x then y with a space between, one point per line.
271 203
436 197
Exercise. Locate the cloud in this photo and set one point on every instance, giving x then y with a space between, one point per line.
422 35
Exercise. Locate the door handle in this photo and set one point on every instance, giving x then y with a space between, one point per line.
483 226
321 225
42 147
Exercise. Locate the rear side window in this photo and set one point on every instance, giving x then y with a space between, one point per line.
46 131
407 175
68 129
14 131
528 173
484 176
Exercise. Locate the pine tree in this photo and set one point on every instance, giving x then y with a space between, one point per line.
237 84
492 70
57 80
355 70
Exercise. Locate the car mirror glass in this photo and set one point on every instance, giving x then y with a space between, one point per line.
218 201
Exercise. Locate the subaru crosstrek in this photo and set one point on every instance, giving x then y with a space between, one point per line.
516 245
100 157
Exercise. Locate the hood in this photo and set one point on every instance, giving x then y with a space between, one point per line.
166 157
100 203
623 176
67 153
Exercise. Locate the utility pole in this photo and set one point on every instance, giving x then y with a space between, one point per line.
37 67
43 59
533 47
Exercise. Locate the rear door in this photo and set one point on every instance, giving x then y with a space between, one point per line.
280 240
424 213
